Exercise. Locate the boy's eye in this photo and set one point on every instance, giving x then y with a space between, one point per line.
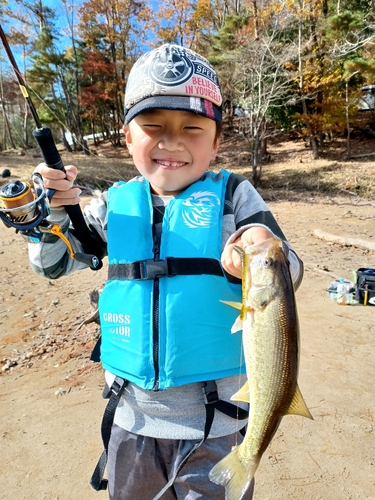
151 125
193 127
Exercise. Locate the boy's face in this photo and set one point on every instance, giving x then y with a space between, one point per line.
171 149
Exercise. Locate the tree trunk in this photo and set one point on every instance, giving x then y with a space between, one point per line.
348 152
255 173
7 129
314 147
5 119
313 139
25 134
67 146
85 148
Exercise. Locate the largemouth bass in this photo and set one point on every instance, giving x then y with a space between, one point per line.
269 323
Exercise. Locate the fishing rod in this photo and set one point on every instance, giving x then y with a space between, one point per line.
25 207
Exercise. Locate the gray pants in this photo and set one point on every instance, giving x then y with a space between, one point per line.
139 467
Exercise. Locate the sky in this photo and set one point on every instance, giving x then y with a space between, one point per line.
7 23
61 22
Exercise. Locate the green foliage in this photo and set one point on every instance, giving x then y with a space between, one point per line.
362 66
344 23
226 40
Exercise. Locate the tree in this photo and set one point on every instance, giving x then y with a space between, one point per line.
114 29
98 93
253 69
19 35
325 44
8 96
183 22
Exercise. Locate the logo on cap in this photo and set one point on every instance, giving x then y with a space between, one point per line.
170 66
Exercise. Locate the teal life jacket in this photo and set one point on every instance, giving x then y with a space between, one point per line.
162 320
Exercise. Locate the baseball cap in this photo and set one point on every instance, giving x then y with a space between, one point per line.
175 78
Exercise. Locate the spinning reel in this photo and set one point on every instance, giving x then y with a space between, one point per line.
25 208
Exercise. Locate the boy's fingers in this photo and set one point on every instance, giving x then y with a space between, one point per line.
46 172
59 185
71 172
71 193
231 261
63 198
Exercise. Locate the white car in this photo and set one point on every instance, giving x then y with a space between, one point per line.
366 101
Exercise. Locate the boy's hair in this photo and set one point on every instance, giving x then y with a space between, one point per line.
219 128
175 78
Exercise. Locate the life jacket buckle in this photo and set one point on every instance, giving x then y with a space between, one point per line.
210 393
153 269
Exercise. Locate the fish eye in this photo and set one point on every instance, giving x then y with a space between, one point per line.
268 262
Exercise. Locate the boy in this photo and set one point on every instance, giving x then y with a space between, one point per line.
164 328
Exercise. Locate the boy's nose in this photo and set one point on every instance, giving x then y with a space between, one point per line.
171 142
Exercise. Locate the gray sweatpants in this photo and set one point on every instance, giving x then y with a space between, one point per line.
139 467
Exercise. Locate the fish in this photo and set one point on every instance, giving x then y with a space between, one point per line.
270 336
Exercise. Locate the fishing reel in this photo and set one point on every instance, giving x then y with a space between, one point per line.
25 207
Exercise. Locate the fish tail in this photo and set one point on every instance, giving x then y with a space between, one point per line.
231 474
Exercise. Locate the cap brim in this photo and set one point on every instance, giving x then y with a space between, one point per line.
196 105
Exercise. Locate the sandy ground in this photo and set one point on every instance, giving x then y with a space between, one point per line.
51 404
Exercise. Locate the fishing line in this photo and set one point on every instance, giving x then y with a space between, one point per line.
238 388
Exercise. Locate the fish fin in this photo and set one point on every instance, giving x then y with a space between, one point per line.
237 325
235 477
243 394
236 305
298 405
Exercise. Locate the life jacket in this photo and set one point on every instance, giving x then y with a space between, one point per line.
162 320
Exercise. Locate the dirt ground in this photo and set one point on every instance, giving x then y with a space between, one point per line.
51 405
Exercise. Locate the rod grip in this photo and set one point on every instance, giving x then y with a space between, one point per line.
51 156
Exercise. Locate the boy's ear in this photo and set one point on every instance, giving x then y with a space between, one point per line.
128 138
215 147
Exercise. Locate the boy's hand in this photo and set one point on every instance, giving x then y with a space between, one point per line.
62 182
231 260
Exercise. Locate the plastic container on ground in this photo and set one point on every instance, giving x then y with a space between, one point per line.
341 292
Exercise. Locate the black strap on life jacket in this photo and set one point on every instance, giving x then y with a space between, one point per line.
114 394
172 266
211 402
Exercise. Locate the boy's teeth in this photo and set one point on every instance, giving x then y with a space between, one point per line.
172 163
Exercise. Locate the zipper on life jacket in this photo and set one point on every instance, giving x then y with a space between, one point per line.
155 333
155 316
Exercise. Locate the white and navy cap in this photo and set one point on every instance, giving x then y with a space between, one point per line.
175 78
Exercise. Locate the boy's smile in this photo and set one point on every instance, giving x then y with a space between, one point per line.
171 149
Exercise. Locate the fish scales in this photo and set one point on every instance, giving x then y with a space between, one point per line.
270 335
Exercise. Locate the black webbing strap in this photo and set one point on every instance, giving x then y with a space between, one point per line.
211 402
114 394
171 266
95 353
231 410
